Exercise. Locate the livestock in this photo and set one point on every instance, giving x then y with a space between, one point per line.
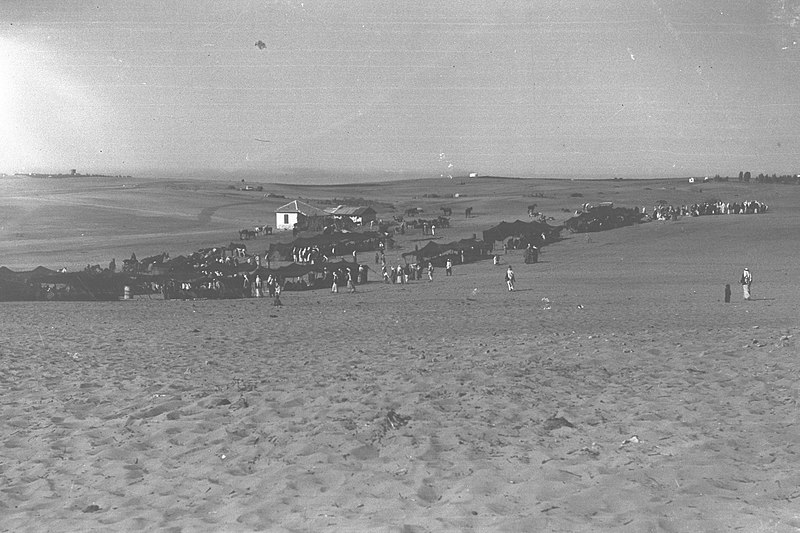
245 234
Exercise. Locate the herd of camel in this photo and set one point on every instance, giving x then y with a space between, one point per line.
245 234
446 211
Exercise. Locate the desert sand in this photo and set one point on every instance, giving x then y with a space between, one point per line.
613 391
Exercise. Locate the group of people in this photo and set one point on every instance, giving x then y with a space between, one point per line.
307 254
405 273
667 212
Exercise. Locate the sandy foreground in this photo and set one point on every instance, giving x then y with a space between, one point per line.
614 390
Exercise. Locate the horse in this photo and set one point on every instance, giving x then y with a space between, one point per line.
447 211
468 212
246 234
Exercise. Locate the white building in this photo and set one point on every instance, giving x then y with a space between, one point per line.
295 212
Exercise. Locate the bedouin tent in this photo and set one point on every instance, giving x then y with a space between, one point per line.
344 242
25 275
531 232
12 290
438 254
85 285
603 219
295 271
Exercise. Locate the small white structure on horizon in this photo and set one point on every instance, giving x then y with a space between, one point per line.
691 180
286 216
473 174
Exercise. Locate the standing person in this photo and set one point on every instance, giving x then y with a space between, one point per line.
277 302
350 286
746 281
430 271
510 278
448 267
335 284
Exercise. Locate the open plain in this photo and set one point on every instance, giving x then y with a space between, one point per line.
614 390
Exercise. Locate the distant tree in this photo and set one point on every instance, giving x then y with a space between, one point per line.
741 175
747 177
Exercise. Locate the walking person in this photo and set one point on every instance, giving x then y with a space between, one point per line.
350 286
448 267
335 284
746 281
510 278
430 271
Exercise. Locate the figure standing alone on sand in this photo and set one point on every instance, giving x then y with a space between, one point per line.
448 267
430 271
746 281
510 278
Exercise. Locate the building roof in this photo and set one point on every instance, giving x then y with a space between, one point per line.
303 208
344 210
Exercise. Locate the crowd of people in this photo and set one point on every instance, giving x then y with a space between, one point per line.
670 212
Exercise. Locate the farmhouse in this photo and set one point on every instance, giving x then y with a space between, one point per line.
358 215
296 212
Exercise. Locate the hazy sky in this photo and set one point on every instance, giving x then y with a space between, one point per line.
640 87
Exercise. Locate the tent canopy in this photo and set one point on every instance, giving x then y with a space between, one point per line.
433 249
532 230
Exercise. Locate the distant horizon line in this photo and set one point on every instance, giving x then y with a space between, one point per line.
316 176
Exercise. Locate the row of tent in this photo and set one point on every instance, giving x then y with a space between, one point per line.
344 242
45 284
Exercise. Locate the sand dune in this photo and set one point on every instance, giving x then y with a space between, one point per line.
614 391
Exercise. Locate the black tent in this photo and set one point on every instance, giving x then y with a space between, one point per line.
536 233
603 219
342 242
438 254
